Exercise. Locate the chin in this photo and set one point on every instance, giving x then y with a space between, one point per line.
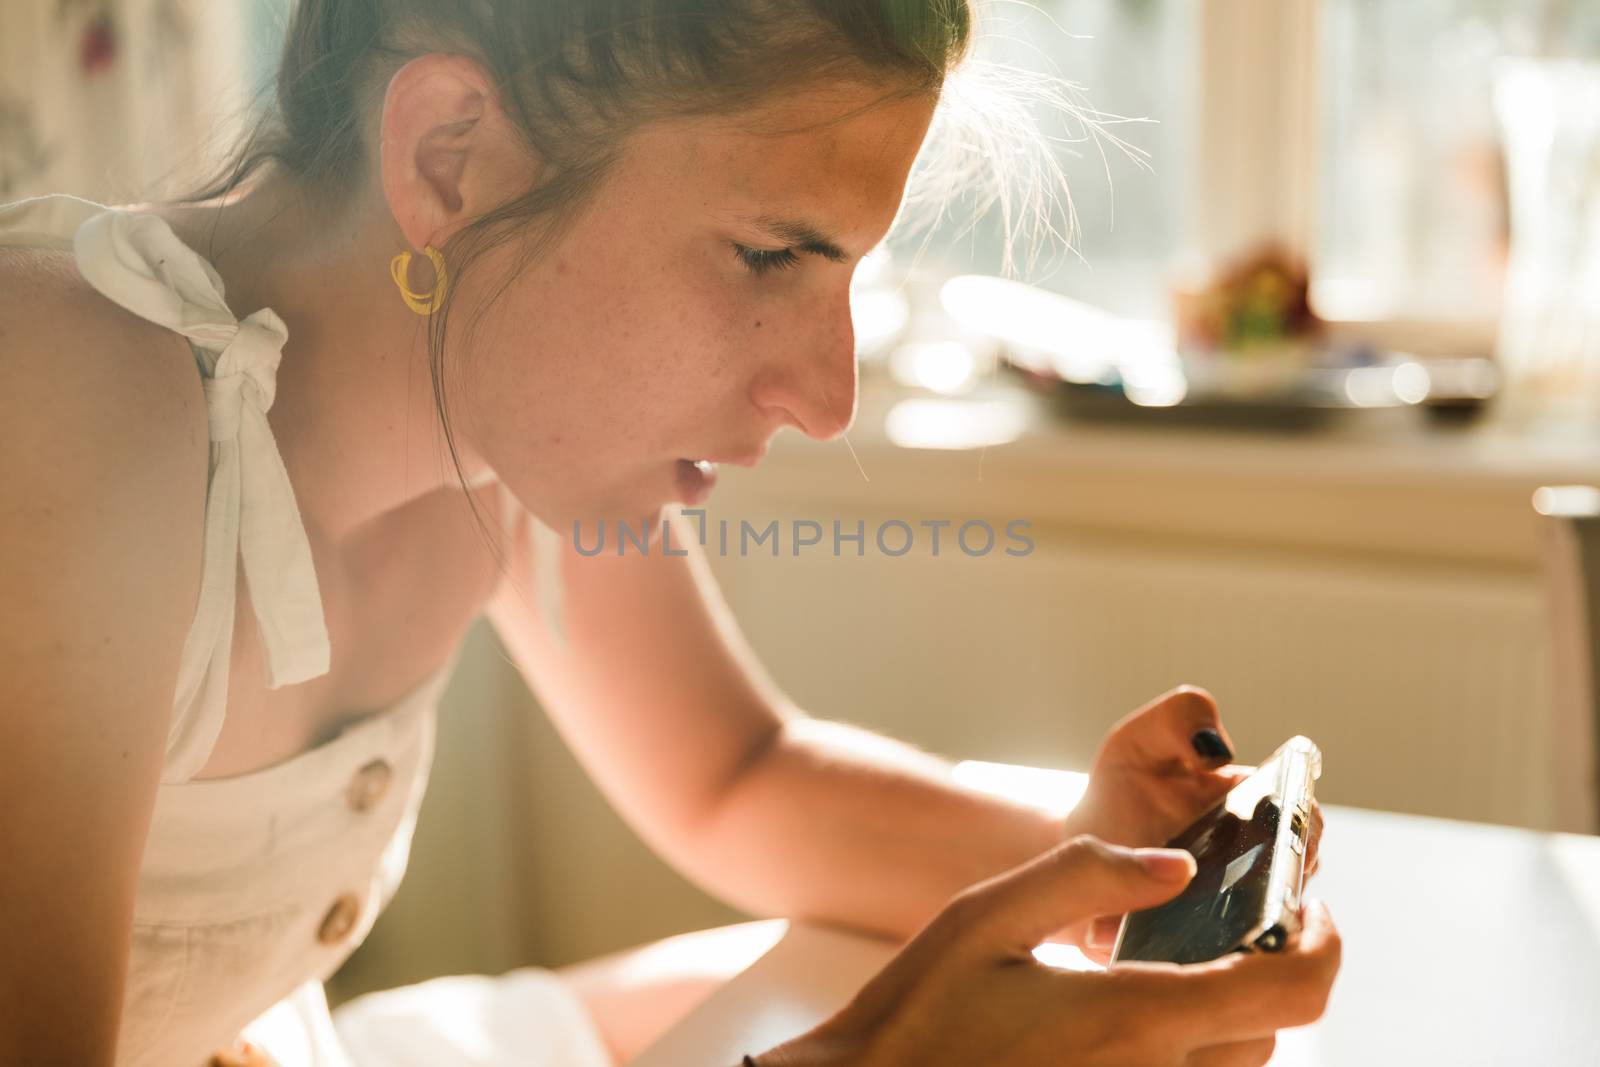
637 505
640 500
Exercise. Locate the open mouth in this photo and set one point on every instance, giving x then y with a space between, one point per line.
696 478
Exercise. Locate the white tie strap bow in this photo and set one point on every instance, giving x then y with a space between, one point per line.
138 262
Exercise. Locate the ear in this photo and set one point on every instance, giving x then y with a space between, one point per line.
443 149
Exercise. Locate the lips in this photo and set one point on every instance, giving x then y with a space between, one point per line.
738 459
696 479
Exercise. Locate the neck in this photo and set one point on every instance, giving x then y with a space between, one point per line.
354 415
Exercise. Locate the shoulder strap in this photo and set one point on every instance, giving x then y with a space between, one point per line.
138 262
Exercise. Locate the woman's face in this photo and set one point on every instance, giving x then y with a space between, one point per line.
668 325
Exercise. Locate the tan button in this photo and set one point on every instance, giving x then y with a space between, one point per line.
241 1054
340 920
368 785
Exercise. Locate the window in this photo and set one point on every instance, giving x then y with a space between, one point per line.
1359 132
1413 199
1133 59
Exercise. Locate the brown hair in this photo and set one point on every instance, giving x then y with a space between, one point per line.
576 76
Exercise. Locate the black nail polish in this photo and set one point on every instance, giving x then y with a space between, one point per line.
1210 744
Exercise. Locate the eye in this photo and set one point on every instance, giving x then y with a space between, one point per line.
760 261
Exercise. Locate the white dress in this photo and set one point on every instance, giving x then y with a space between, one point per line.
253 889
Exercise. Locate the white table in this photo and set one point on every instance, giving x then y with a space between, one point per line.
1464 945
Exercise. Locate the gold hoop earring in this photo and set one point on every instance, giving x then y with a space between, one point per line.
421 303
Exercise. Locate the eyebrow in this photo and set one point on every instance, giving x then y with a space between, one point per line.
800 234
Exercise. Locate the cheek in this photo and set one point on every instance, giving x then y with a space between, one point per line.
681 341
617 365
666 309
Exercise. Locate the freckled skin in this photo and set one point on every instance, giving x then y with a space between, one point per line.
632 344
583 378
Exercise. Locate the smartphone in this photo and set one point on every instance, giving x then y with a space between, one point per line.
1250 853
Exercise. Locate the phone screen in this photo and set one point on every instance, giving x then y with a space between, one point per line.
1232 845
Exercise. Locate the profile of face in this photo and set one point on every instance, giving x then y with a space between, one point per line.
668 324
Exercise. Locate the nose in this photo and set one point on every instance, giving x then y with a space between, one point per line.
812 383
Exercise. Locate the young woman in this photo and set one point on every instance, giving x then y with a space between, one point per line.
497 266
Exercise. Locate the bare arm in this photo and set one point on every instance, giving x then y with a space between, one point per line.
101 489
840 824
667 708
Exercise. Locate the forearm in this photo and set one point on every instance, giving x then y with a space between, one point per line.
835 823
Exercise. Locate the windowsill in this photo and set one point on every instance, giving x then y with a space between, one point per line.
1383 482
1394 443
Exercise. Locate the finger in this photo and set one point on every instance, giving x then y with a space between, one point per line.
1183 726
1100 938
1248 996
1103 931
1077 881
1252 1053
1313 847
1252 994
1234 773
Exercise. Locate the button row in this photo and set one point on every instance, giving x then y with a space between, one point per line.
340 920
367 787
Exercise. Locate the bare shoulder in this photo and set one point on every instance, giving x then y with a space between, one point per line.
68 353
103 453
103 437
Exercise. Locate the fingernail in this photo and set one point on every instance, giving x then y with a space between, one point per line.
1166 864
1210 744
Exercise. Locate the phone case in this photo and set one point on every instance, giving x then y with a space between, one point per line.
1250 851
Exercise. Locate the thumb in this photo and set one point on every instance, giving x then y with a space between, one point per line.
1080 880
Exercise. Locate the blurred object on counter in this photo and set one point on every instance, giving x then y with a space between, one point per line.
903 332
948 367
1549 343
985 420
1256 307
1104 366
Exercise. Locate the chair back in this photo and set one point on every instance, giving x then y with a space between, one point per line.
1570 515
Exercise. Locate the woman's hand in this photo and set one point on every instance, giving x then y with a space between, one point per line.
1158 770
967 989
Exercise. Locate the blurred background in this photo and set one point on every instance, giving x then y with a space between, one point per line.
1276 419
